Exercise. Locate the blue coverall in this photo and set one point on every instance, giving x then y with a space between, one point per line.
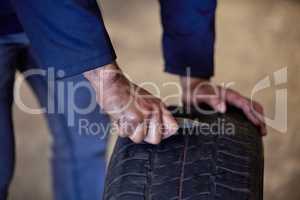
70 35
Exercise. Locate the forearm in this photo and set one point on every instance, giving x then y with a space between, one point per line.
68 36
106 80
107 75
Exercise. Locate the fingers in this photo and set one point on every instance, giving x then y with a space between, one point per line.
139 114
241 102
139 133
252 110
170 125
218 104
150 128
154 134
237 100
263 129
217 97
258 111
213 96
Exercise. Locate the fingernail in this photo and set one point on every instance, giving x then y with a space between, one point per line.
222 107
171 131
167 135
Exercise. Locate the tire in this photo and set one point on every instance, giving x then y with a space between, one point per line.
191 166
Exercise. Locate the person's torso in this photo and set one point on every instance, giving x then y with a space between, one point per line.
9 22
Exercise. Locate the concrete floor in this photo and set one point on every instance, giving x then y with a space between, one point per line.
255 39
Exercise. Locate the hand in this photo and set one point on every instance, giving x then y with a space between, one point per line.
197 91
138 114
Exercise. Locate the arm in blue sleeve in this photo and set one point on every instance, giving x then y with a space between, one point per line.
68 35
189 36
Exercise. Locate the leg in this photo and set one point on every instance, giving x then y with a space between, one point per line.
78 162
7 70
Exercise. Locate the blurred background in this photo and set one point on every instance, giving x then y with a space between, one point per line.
254 39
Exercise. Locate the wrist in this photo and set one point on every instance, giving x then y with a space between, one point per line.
106 75
188 83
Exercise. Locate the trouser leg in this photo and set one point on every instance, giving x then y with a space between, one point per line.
78 159
7 148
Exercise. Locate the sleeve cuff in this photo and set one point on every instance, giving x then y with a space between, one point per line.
88 64
190 71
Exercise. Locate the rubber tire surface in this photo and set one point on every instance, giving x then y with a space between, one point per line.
206 166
